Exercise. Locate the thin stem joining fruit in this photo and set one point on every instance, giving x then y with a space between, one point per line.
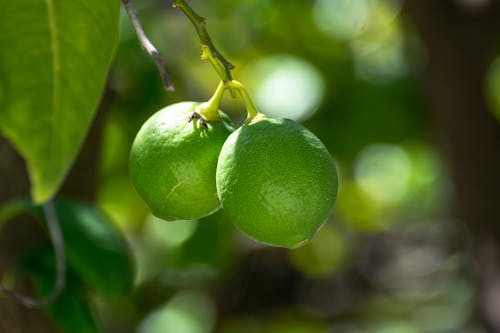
210 109
209 51
252 113
148 46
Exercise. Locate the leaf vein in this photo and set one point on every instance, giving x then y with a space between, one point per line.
56 71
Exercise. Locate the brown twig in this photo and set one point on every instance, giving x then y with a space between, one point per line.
148 46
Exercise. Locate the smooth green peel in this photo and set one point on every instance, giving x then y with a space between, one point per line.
276 181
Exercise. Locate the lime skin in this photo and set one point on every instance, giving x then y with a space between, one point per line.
173 161
276 181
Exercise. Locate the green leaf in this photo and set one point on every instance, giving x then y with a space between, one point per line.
12 208
54 59
210 241
95 249
70 310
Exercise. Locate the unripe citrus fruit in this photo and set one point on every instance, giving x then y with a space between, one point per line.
276 181
173 162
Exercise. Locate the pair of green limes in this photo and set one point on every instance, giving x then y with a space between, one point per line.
274 178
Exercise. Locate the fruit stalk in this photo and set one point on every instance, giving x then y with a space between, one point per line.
209 51
210 109
252 112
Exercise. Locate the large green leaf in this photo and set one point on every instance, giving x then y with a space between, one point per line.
54 57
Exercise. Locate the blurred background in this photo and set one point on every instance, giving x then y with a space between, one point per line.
406 97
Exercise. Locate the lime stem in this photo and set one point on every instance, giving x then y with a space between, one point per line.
210 109
251 109
209 51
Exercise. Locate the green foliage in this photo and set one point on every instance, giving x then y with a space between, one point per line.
325 254
70 310
95 249
492 84
53 65
186 312
11 209
210 241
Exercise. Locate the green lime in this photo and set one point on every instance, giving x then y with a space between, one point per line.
276 181
173 162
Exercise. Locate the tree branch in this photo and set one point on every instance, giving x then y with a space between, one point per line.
209 51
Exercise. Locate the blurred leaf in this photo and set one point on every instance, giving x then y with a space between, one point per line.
393 327
95 248
119 200
185 253
358 210
286 322
70 310
186 312
116 195
325 254
493 87
11 208
53 65
210 242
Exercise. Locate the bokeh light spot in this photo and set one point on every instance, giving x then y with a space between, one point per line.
186 312
393 327
171 233
325 254
493 87
383 172
285 86
341 19
378 52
